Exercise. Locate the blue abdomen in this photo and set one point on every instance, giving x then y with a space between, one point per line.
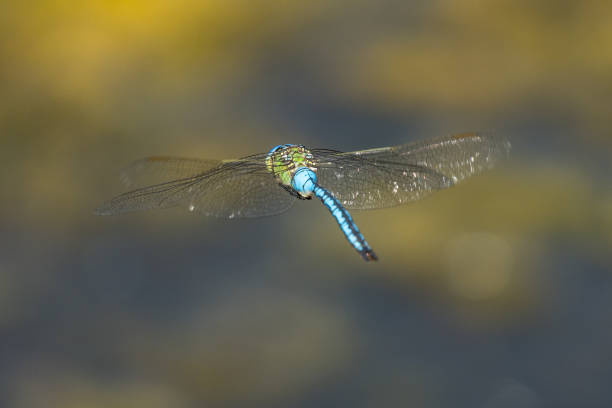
304 181
346 223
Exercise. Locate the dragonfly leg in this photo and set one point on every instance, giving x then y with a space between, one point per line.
294 193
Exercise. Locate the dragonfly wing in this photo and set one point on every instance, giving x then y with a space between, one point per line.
234 189
456 156
362 184
159 169
389 176
238 195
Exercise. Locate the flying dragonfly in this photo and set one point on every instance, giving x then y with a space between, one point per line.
269 183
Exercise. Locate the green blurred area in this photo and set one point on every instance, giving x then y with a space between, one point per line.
89 86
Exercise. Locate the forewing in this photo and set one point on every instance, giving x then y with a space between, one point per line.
456 156
235 189
160 169
363 184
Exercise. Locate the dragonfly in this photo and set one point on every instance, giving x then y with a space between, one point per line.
268 184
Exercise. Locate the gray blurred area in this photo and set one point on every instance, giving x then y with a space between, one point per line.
495 293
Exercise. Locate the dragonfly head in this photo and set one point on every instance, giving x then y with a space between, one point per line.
284 161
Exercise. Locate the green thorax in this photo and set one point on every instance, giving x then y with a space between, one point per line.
285 161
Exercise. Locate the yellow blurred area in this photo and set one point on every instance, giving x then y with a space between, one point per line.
166 309
78 48
490 55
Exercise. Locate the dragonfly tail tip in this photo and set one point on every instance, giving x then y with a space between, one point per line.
369 255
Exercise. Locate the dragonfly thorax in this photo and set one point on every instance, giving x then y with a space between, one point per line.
286 161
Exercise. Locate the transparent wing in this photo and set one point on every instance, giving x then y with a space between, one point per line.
362 184
390 176
234 189
456 156
160 169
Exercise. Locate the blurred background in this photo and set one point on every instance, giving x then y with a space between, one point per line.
497 293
